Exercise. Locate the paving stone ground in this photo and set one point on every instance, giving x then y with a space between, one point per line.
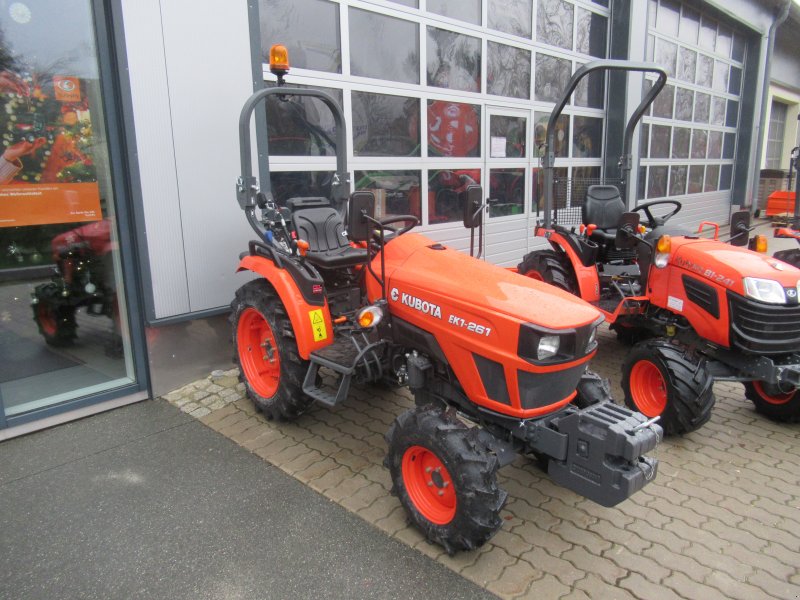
721 521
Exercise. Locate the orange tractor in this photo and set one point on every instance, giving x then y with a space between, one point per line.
696 309
497 363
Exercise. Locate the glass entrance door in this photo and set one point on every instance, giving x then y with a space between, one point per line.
64 329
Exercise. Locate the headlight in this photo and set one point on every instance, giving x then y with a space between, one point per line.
764 290
661 260
548 346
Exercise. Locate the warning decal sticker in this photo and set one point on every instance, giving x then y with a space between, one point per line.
318 325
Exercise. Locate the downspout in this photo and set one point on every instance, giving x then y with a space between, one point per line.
762 132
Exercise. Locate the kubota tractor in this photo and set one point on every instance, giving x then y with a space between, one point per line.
698 309
497 363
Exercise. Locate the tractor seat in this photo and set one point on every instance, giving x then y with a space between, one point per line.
322 227
603 207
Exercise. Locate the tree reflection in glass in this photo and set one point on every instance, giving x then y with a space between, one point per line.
552 74
385 125
454 60
554 23
511 16
509 72
383 47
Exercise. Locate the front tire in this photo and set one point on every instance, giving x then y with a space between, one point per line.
774 403
551 267
266 352
661 378
445 478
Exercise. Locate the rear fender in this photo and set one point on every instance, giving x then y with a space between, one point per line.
311 324
588 281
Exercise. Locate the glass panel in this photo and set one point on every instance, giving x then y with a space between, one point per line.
652 10
668 17
677 180
554 23
511 16
383 47
699 143
721 76
735 82
294 184
732 114
644 142
724 43
591 33
396 192
729 145
587 140
680 142
601 2
684 101
641 183
308 28
702 107
385 125
410 3
454 129
537 185
726 176
696 179
718 111
591 90
301 126
463 10
446 189
666 55
552 74
509 71
714 144
687 63
662 106
712 175
454 60
651 44
508 136
690 25
63 317
708 34
507 191
705 70
657 182
737 53
659 143
561 135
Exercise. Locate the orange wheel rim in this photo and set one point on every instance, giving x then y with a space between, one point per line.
429 485
258 353
533 274
46 320
648 388
776 399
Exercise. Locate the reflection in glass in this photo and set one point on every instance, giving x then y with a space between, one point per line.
735 83
729 145
308 28
705 70
396 192
591 90
644 142
718 108
454 129
724 43
690 25
554 23
383 47
659 143
666 55
677 180
721 76
298 184
540 134
454 60
702 107
680 142
684 101
737 52
708 34
696 179
446 189
732 114
725 177
591 33
699 143
509 71
506 192
668 17
537 189
301 126
409 3
511 16
508 135
657 182
463 10
662 106
552 74
588 137
712 175
714 144
641 185
687 62
385 125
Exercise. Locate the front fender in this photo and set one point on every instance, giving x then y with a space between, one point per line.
312 325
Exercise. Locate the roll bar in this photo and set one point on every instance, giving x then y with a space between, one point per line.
247 185
625 160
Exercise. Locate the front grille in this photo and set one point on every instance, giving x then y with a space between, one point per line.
537 390
763 328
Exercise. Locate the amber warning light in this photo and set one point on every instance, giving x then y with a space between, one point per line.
279 60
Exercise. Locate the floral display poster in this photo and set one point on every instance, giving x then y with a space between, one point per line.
47 174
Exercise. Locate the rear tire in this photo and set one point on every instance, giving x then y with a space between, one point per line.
551 267
55 320
445 478
774 404
266 352
661 378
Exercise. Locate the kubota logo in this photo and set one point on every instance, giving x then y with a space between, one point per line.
423 306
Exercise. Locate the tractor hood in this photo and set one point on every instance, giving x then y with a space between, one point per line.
428 277
728 265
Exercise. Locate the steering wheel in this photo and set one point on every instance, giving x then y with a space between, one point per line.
652 220
410 220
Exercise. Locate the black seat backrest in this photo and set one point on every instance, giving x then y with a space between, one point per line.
604 206
322 227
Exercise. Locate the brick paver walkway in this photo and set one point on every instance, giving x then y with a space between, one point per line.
721 521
